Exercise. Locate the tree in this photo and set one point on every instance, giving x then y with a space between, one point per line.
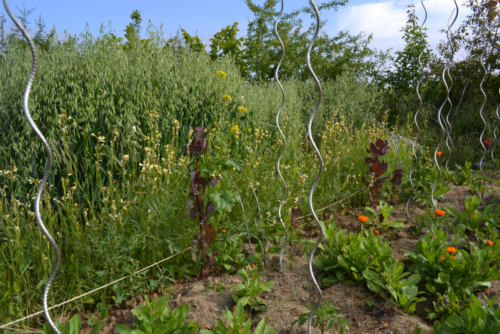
225 43
133 30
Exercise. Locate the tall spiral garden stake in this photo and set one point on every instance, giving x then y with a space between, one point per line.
309 132
261 227
495 133
440 117
244 216
282 135
481 60
47 169
415 163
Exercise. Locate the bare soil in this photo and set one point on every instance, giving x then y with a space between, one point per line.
294 290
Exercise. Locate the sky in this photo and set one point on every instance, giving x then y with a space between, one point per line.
383 19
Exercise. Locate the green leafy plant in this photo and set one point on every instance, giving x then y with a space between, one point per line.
471 218
72 327
475 319
236 324
325 318
446 305
217 286
102 313
248 291
229 256
403 291
351 254
424 181
155 318
380 215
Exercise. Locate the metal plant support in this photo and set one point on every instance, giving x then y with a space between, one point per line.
261 227
447 100
244 216
47 168
285 193
481 60
415 163
309 132
495 133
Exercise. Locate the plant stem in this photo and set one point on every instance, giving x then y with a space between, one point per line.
200 218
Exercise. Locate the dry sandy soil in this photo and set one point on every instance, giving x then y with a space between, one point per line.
293 288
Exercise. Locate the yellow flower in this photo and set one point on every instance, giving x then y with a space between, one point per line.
242 109
226 97
235 129
221 74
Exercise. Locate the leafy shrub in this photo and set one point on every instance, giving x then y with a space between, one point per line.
351 254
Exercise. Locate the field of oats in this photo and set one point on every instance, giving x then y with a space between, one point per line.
124 194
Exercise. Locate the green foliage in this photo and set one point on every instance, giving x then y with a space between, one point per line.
381 215
352 254
325 318
225 43
236 324
229 256
72 327
248 291
402 290
471 218
475 319
155 317
424 181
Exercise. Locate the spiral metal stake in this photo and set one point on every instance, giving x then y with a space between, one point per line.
285 191
244 216
415 164
481 60
444 103
47 169
320 168
261 227
495 133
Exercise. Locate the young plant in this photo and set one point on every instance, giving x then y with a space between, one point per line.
351 254
381 215
402 290
475 319
471 218
155 318
229 256
325 318
72 327
236 324
378 168
247 292
217 286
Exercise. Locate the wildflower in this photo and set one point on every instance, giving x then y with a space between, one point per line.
489 242
363 219
155 294
242 109
432 236
487 292
439 212
374 221
224 231
235 129
253 265
487 143
376 232
454 257
134 128
451 250
442 258
438 153
221 74
226 97
235 308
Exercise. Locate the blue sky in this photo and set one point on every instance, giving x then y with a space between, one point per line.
382 18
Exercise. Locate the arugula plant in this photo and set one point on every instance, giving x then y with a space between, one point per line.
403 291
445 268
155 318
326 317
475 319
378 168
350 253
72 327
472 218
247 292
236 324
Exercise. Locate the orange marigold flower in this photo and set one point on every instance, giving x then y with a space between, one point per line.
235 308
223 231
253 265
438 153
374 221
432 236
454 257
376 232
451 250
487 292
439 212
363 219
155 294
442 258
489 242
